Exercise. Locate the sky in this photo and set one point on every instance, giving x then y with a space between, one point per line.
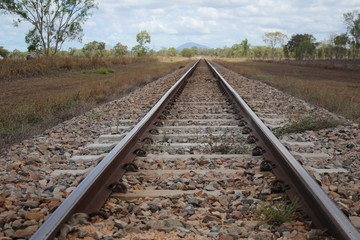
216 23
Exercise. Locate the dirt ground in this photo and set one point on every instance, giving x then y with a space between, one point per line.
311 73
335 89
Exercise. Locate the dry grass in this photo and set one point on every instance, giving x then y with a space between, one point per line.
29 105
334 89
17 68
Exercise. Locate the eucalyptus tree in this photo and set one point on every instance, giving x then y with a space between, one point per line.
340 42
245 47
120 50
54 21
274 39
352 21
94 48
172 52
187 52
142 38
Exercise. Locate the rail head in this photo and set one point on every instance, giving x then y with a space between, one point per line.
319 206
78 200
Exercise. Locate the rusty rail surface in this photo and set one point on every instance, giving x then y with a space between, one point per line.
93 191
302 188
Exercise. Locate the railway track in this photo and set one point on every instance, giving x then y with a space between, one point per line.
201 162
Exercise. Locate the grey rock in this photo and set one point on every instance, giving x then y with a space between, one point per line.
356 197
120 234
98 235
210 187
182 235
216 228
7 226
210 218
224 200
212 234
32 204
7 216
355 221
189 210
313 234
234 230
173 223
238 196
108 237
183 229
49 189
120 223
165 229
266 191
155 224
194 201
83 233
155 205
264 226
260 235
9 232
342 190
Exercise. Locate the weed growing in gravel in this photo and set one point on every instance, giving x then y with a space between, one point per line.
278 213
305 124
94 115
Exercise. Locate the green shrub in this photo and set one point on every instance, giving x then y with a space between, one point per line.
278 213
305 124
103 71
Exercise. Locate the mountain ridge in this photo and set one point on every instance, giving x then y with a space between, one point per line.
190 45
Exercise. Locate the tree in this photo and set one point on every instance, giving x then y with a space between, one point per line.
300 46
172 52
195 50
3 52
72 51
340 42
17 54
352 21
274 39
245 47
187 52
120 50
236 50
54 21
142 38
162 52
94 48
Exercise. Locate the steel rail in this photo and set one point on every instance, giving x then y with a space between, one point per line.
315 202
93 191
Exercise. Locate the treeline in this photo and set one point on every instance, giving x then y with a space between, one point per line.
278 46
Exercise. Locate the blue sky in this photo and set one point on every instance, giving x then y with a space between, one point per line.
212 23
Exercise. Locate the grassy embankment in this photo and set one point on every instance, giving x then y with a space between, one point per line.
40 93
337 90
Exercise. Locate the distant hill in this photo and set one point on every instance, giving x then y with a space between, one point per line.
190 45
